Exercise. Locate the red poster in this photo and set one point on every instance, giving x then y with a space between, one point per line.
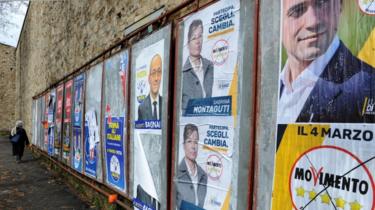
68 101
60 95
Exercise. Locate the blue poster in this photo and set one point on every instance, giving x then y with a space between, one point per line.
77 149
91 143
78 100
51 140
214 106
115 157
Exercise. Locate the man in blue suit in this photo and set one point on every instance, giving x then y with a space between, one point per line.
150 108
321 80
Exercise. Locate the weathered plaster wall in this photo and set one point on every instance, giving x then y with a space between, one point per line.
60 36
7 86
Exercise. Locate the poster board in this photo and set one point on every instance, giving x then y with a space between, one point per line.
324 156
148 136
77 132
208 75
92 123
114 108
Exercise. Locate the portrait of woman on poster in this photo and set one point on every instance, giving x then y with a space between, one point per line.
191 178
197 72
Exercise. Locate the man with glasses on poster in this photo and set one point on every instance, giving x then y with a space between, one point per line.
321 80
150 109
197 72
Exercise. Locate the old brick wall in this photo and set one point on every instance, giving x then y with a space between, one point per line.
60 36
7 87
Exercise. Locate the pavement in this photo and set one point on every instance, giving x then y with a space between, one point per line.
28 185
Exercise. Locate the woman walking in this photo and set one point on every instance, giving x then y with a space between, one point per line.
19 139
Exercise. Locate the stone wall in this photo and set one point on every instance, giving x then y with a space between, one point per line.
7 86
61 36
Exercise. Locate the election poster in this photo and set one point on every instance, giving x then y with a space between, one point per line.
51 122
205 159
114 144
325 157
77 147
209 80
77 155
78 100
150 72
92 138
67 125
58 120
149 86
51 140
92 141
115 86
209 65
45 123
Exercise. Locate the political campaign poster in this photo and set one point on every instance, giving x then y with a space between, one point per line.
67 125
325 117
78 100
45 123
114 144
51 140
77 147
51 122
77 154
150 62
58 120
208 107
204 162
209 65
149 85
114 100
92 140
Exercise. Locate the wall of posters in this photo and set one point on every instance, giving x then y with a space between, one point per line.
114 108
92 142
325 119
209 86
67 122
150 62
77 147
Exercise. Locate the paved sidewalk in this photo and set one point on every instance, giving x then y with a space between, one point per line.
29 186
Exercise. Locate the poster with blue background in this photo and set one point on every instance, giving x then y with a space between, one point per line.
91 143
114 145
78 100
51 140
77 149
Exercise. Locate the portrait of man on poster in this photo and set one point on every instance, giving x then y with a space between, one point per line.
197 72
321 81
191 178
150 108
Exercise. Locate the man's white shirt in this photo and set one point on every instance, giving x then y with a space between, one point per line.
295 94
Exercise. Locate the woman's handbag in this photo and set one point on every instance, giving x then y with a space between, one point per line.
15 138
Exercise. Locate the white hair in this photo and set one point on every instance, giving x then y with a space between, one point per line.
19 124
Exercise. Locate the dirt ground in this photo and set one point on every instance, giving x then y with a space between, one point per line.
28 185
